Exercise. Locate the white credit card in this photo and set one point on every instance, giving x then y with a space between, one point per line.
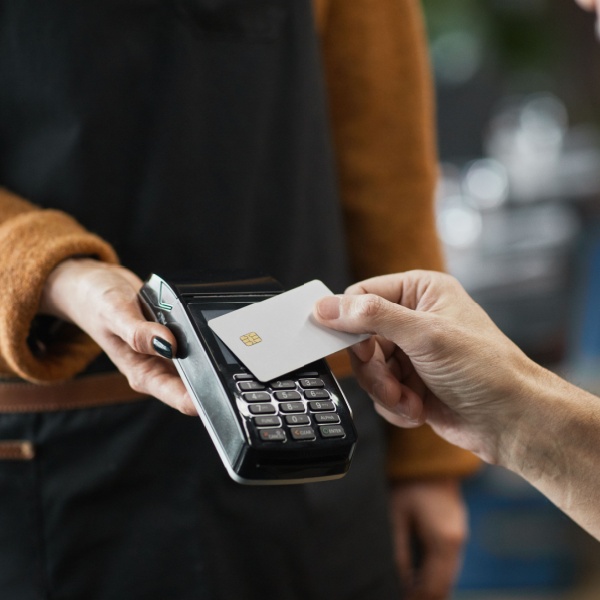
279 335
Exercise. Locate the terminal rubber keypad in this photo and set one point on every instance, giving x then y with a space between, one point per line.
294 410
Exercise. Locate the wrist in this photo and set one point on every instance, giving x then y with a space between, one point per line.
502 414
64 285
531 443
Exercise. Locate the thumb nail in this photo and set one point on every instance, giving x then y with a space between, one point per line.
162 347
329 308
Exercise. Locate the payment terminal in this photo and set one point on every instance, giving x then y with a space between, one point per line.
293 430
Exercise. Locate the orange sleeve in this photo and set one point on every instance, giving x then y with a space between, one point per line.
32 242
381 106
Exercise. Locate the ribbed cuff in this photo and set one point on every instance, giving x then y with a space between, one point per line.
31 245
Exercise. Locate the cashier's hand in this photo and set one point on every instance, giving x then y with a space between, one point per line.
102 300
429 517
435 357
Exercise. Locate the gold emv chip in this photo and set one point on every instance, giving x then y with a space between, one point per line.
251 338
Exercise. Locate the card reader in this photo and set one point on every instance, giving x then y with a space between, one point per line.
296 429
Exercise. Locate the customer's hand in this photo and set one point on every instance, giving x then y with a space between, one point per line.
102 300
436 357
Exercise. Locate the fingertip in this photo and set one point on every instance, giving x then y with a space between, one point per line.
327 308
386 390
399 404
379 394
410 407
162 347
187 407
146 337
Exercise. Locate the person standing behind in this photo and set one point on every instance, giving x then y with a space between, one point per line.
172 131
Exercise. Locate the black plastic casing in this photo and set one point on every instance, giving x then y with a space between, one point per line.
208 369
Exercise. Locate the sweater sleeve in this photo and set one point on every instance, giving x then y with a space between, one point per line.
32 242
381 106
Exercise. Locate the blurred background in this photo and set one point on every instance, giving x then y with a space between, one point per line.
518 96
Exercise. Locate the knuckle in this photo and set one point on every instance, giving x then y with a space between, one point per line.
135 383
368 306
439 332
112 298
450 282
135 337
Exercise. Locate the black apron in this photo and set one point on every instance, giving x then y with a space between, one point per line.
190 134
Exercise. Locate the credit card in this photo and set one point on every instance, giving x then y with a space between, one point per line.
279 335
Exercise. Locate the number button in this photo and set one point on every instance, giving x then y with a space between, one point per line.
316 394
248 386
256 396
298 420
311 382
317 406
286 384
262 409
291 407
287 396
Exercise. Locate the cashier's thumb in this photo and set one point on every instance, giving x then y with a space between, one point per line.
366 313
142 336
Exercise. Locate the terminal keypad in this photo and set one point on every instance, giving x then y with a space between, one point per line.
290 410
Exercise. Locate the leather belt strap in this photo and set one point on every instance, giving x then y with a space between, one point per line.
84 392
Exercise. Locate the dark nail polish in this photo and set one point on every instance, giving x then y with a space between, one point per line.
162 347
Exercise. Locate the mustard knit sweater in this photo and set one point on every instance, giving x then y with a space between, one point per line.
377 76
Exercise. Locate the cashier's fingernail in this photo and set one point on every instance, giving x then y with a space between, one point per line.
162 347
329 308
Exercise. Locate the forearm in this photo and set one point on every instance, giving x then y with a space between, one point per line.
555 445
